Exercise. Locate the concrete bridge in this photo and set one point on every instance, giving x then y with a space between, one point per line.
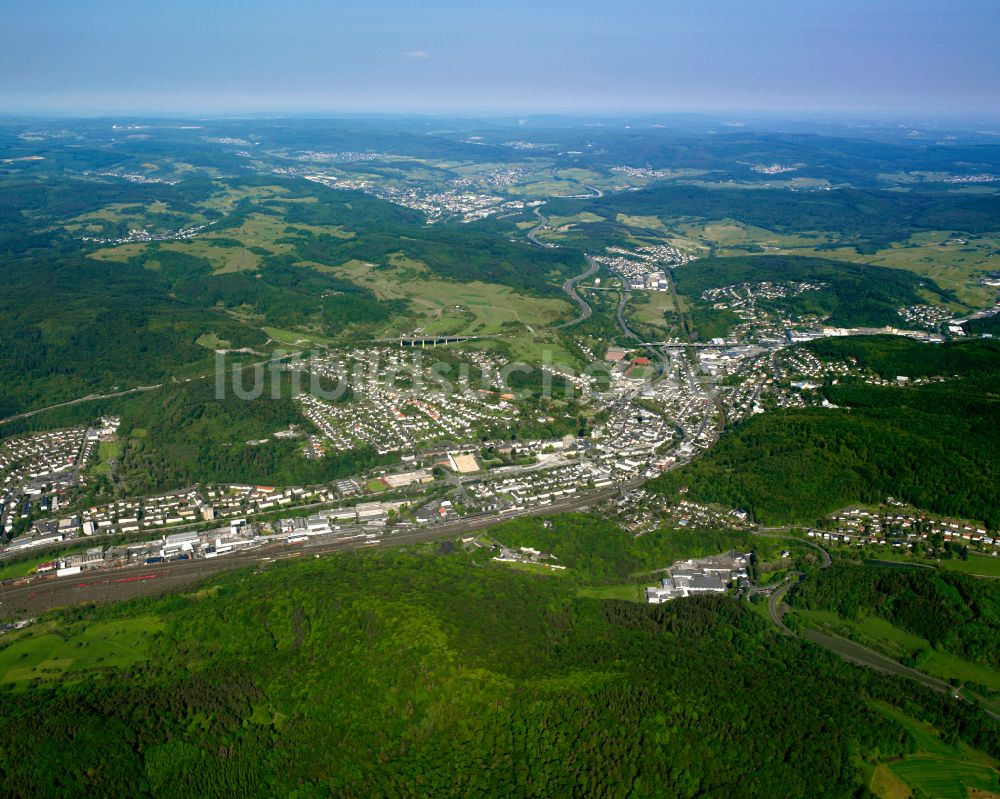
425 341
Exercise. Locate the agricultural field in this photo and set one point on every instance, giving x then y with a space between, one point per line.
938 769
955 263
236 249
655 308
978 565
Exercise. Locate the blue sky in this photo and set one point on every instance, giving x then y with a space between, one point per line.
476 56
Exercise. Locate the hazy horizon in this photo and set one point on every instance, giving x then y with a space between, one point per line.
112 57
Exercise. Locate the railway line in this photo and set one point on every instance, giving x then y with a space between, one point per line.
30 596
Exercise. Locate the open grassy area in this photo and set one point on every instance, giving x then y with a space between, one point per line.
134 215
107 451
547 188
530 348
229 197
631 592
21 568
730 237
259 231
648 222
211 341
978 564
886 785
121 253
582 218
48 655
897 643
937 768
944 777
445 307
296 338
653 308
954 263
982 565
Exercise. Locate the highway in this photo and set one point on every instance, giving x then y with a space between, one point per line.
863 656
533 233
619 315
570 285
594 191
79 401
774 603
852 651
570 288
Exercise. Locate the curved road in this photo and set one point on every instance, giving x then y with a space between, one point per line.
595 192
849 650
570 288
570 285
774 603
533 233
628 331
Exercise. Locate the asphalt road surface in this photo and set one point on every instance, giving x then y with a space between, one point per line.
79 401
570 288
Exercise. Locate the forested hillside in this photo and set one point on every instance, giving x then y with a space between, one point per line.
849 295
412 673
953 612
936 446
78 317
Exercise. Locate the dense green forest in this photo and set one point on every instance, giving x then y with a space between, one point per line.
187 435
414 673
953 612
853 295
936 446
893 356
989 326
69 326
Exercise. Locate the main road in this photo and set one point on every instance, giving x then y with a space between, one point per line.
849 650
79 401
543 221
570 285
570 288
